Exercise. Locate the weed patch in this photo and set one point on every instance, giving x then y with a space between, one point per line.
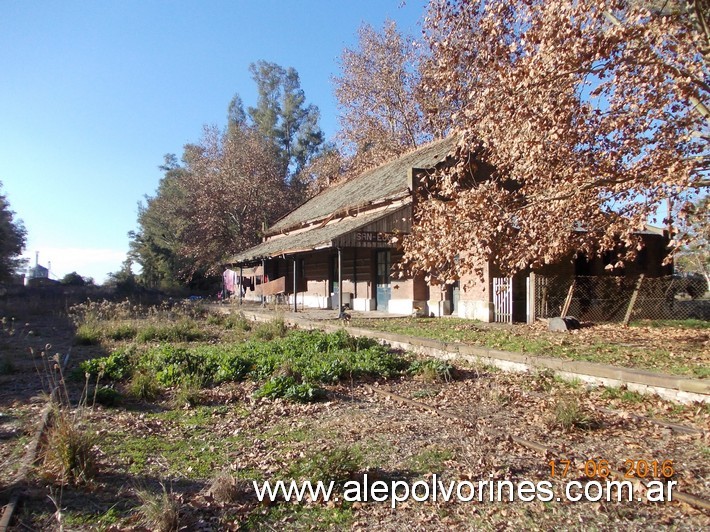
230 321
337 465
430 460
184 331
224 487
275 328
143 385
105 396
189 394
69 455
287 387
293 367
122 331
432 370
622 394
116 366
88 334
568 415
158 511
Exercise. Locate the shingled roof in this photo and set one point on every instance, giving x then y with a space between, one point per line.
389 180
312 239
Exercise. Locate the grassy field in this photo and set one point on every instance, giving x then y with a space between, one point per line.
680 348
173 412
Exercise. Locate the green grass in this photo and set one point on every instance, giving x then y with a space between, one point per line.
94 332
88 334
622 394
469 332
299 517
432 370
573 384
102 520
569 415
680 324
337 465
430 460
185 330
196 457
143 385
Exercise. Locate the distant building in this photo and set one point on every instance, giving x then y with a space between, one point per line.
37 274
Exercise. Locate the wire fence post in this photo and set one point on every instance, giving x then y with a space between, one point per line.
568 301
634 296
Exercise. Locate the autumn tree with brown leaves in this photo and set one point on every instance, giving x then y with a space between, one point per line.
377 92
591 112
229 185
233 186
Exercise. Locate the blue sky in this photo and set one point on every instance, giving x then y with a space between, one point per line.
94 93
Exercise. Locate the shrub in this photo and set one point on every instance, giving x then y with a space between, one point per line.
570 415
69 454
158 511
88 334
174 364
143 385
237 321
189 393
337 465
122 331
116 366
224 487
275 328
287 387
432 370
106 396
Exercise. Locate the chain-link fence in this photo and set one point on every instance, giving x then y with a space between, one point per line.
619 299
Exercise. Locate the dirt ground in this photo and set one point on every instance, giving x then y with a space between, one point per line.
468 429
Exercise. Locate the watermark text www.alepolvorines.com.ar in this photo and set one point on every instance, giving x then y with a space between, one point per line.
482 491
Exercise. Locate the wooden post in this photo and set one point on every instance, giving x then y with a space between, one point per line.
241 283
532 296
630 309
568 300
543 303
295 286
341 312
263 276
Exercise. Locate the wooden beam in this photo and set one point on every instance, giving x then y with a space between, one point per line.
630 308
568 299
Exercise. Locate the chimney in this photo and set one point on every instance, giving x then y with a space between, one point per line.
36 258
